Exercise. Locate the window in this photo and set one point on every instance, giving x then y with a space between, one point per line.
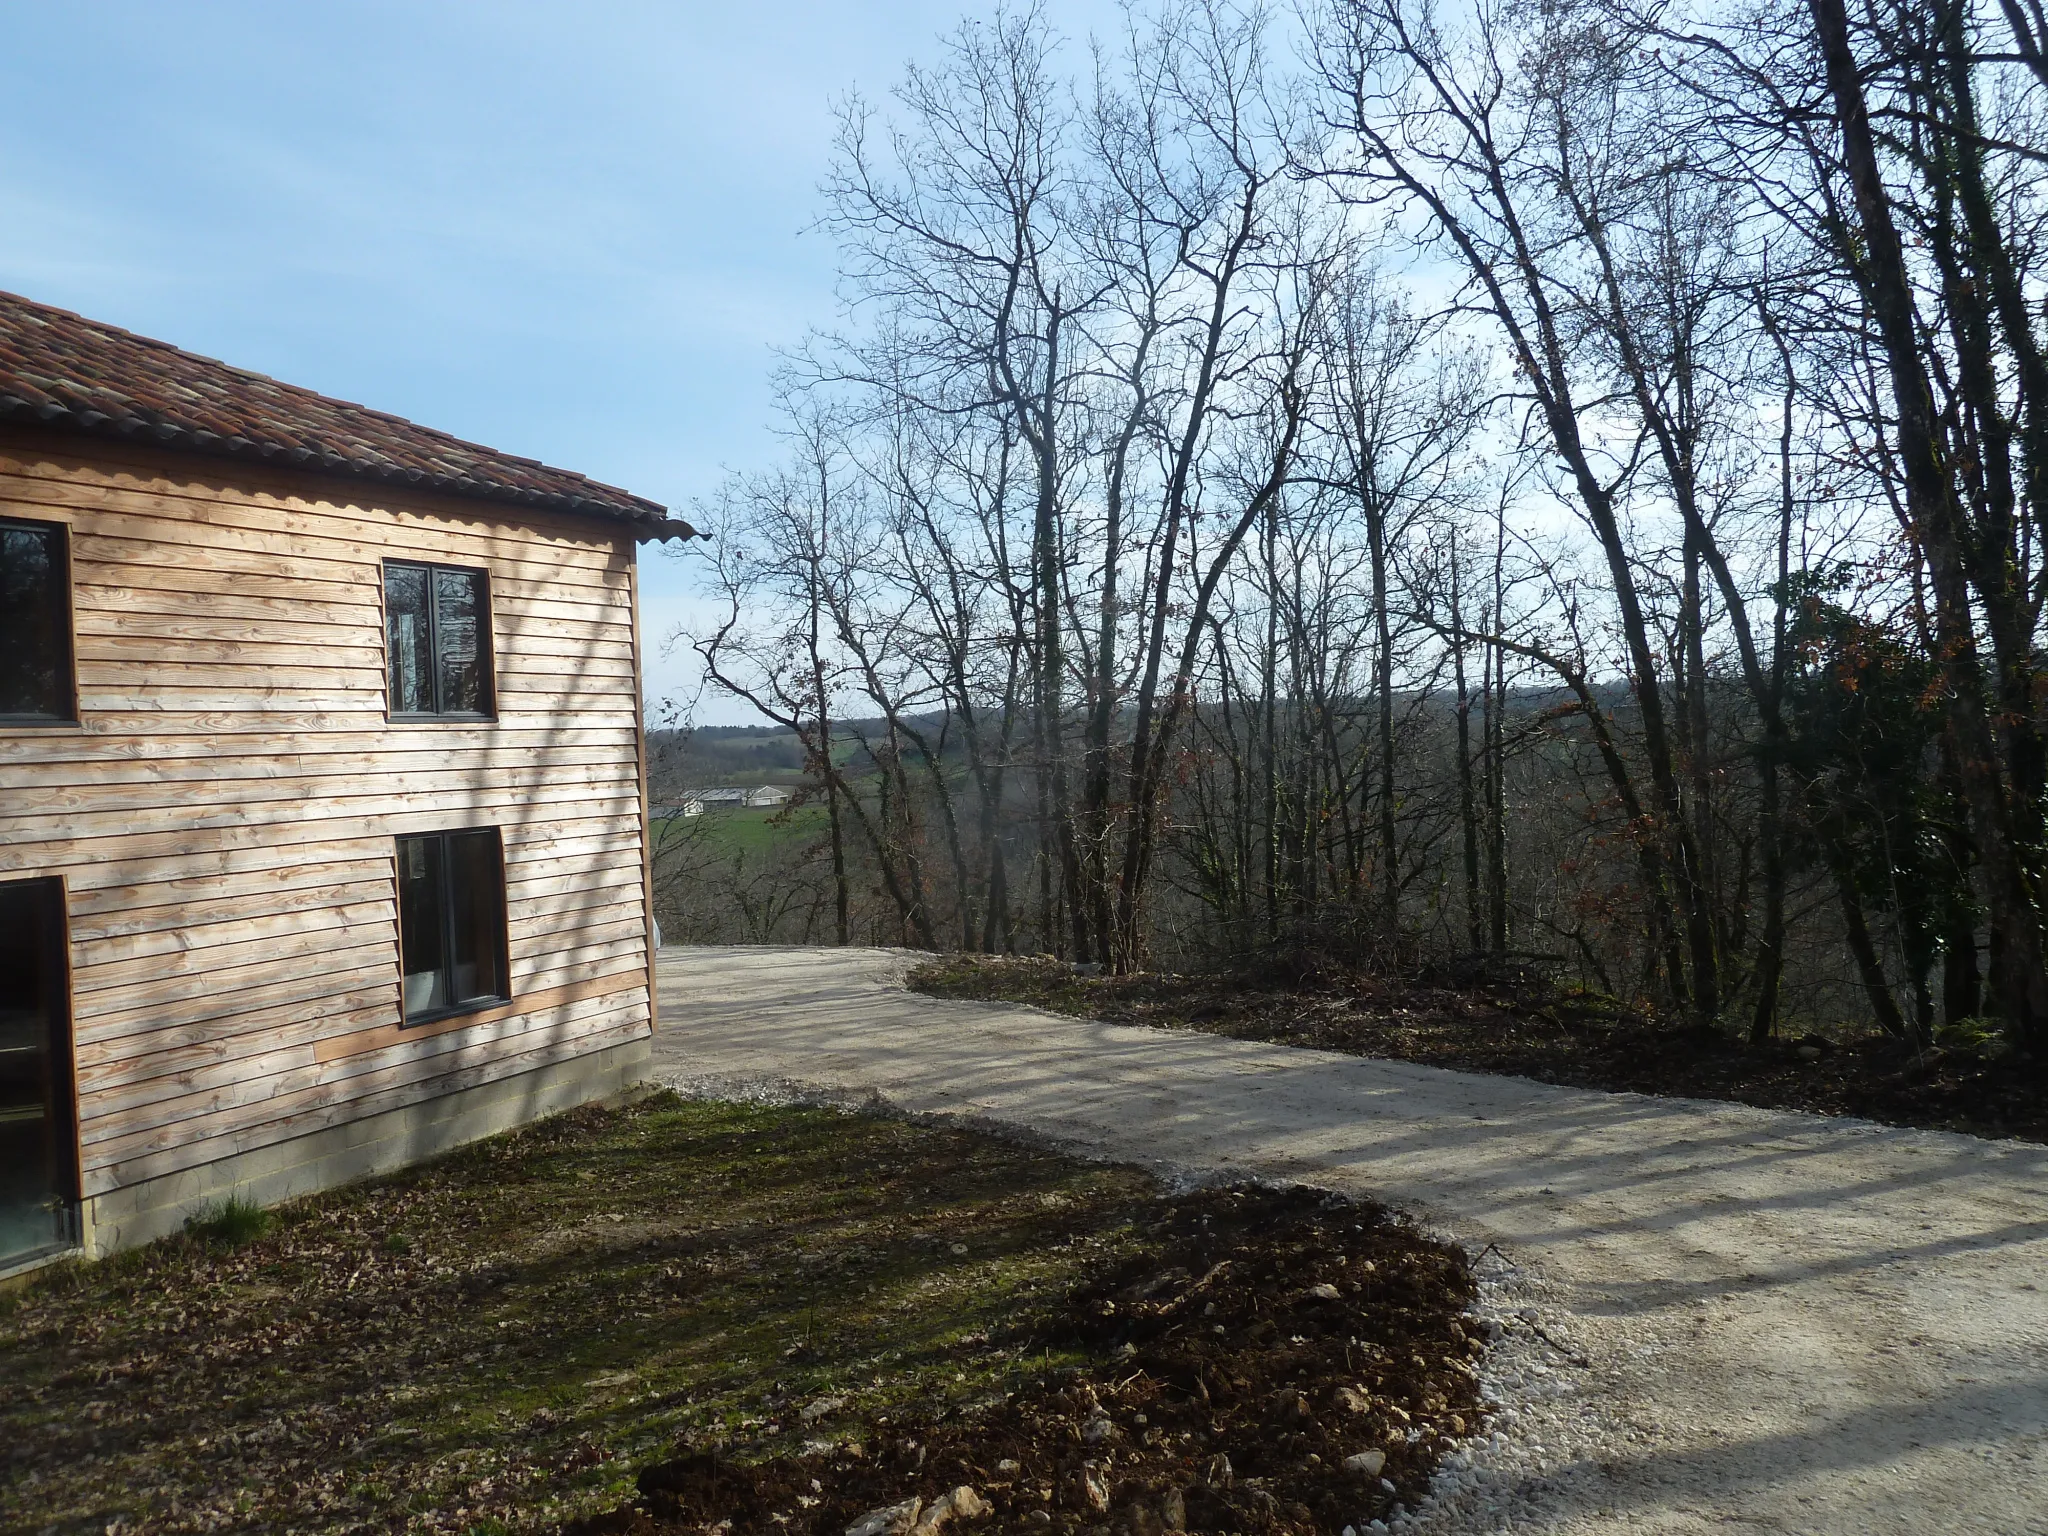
35 624
451 921
437 634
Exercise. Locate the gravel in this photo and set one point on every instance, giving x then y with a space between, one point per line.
1706 1315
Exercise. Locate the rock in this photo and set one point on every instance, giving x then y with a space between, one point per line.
1173 1511
1219 1474
1809 1053
1008 1467
817 1408
1351 1400
1325 1292
1096 1430
895 1520
962 1503
1038 1520
1290 1408
1094 1488
1366 1463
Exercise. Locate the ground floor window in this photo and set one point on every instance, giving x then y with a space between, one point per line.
38 1145
451 921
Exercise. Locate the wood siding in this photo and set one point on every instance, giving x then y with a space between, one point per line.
224 813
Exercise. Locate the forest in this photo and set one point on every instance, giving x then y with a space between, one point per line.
1534 482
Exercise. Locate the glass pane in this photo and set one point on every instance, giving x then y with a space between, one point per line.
458 622
479 910
419 924
407 640
34 1213
35 649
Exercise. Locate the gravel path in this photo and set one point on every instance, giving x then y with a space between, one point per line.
1717 1318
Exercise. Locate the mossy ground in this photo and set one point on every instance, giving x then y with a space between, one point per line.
495 1340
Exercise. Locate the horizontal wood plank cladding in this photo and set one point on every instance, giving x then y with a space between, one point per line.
187 1143
286 1096
388 1037
552 954
144 905
346 1001
329 1108
105 636
263 698
139 1002
538 897
148 596
96 742
333 533
200 942
574 834
402 752
309 776
425 811
139 1099
279 668
224 812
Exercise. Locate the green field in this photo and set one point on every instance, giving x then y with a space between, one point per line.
745 830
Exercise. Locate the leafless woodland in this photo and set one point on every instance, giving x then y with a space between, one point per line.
1439 485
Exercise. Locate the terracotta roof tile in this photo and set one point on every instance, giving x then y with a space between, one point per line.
60 370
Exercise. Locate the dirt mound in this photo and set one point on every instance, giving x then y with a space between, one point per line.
1274 1361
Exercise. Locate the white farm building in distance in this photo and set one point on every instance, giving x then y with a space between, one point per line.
733 797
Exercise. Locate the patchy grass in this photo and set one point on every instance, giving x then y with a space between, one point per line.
1554 1033
497 1341
500 1334
229 1224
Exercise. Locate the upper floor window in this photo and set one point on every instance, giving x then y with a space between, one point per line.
35 624
437 634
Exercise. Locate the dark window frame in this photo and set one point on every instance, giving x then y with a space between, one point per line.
487 643
446 906
67 631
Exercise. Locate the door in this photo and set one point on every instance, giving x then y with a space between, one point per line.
38 1148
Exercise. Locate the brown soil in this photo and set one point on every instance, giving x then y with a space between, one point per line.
1530 1027
1254 1340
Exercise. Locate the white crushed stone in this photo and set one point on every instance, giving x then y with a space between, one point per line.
1787 1323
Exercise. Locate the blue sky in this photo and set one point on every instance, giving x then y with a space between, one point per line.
568 231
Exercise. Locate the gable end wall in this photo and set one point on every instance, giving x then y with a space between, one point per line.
224 817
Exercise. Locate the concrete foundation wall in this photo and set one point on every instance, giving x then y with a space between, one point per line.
123 1218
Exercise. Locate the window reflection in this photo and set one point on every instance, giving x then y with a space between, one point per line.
437 635
35 623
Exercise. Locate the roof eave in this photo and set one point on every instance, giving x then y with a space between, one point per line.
650 519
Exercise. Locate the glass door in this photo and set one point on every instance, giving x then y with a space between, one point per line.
38 1151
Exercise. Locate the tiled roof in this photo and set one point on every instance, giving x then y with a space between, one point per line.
60 370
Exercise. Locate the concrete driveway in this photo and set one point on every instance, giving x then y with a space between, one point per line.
1718 1318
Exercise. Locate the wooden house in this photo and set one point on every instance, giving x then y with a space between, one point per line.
322 802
